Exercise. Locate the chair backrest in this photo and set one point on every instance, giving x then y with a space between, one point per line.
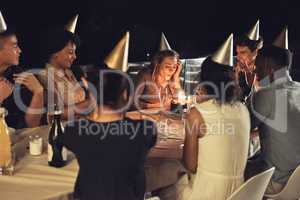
291 191
254 188
153 198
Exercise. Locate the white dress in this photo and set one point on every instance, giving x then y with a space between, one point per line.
222 154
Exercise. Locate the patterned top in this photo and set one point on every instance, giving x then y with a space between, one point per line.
62 82
151 92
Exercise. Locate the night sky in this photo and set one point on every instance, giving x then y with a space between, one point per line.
193 28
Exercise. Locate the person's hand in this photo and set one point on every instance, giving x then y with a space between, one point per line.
243 66
84 82
178 70
246 65
30 81
6 89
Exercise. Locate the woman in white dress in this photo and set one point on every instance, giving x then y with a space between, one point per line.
217 138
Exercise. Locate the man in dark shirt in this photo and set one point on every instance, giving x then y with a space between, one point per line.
246 49
110 149
23 100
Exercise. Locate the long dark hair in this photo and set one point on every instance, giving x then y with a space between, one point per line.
55 39
251 44
219 79
113 86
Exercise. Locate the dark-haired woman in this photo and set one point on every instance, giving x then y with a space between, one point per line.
158 85
58 78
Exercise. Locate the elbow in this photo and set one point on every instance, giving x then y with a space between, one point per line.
191 166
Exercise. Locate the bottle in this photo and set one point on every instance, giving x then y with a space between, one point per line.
57 153
5 144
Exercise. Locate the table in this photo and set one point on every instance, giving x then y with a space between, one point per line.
35 180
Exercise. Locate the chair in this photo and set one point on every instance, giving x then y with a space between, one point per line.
254 188
153 198
291 191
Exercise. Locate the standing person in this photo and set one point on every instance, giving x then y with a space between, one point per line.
246 49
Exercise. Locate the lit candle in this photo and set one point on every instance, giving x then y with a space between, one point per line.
35 145
181 97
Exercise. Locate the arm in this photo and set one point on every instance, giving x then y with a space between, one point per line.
194 129
6 89
34 111
37 102
84 107
81 108
176 76
149 105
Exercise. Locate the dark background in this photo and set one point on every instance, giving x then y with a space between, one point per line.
193 28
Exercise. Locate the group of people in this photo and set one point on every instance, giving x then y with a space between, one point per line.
255 93
25 95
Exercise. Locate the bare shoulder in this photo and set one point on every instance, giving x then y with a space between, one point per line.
195 119
194 114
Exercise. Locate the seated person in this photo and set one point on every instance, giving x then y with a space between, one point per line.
110 149
158 85
58 78
217 135
21 93
275 111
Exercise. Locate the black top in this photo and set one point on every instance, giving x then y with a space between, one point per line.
16 114
111 157
18 102
245 88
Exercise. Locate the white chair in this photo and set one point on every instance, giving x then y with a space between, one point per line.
292 189
254 188
153 198
148 196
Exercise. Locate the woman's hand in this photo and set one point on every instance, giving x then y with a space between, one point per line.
176 76
178 70
30 81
